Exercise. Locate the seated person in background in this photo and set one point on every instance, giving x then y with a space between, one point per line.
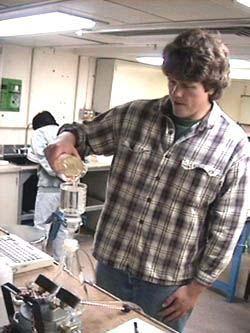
48 194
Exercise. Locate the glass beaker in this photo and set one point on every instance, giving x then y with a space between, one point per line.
73 198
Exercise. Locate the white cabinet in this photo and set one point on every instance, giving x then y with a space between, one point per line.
9 191
27 193
96 179
244 110
119 81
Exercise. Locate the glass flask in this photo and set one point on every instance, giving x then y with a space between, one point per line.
73 198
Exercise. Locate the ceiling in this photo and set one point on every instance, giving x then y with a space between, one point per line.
126 29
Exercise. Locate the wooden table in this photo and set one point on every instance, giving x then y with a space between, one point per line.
95 319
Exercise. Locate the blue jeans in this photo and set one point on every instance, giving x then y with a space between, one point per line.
148 296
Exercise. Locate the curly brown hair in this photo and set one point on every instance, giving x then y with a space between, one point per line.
195 55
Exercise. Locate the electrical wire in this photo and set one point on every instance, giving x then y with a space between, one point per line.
113 305
89 259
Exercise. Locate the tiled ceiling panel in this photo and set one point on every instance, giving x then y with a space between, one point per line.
13 3
179 10
112 12
130 28
51 41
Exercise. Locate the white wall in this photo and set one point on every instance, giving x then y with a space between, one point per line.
53 84
16 62
103 84
1 61
62 82
85 84
136 81
119 81
231 100
57 81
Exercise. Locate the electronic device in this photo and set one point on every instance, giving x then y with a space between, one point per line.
44 308
21 256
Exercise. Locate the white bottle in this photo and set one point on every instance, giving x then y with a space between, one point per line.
6 275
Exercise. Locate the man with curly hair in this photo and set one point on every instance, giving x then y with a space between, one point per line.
177 193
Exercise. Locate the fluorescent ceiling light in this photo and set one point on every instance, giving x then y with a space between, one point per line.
240 74
156 61
79 33
244 2
43 23
240 69
234 63
239 63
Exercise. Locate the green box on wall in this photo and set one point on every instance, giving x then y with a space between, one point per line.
10 95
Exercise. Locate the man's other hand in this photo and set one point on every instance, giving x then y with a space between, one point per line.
181 301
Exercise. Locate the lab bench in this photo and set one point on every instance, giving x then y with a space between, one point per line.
12 179
14 192
9 193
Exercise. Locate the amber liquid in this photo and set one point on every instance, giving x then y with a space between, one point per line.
72 167
73 194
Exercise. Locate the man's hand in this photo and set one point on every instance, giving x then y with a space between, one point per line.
181 301
63 144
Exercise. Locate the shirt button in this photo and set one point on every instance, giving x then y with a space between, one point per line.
149 199
141 221
171 132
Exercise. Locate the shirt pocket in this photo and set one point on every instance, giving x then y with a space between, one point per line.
203 181
210 170
135 147
131 159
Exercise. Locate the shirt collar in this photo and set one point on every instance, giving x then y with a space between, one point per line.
208 121
165 106
211 118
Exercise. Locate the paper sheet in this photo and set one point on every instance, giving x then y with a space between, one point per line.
143 327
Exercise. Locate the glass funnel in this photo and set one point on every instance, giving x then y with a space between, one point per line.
73 198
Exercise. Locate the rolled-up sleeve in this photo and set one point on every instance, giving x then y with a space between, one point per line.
101 135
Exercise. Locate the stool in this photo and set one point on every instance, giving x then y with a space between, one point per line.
229 288
33 235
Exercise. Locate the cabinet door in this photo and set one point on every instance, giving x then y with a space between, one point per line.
96 181
9 198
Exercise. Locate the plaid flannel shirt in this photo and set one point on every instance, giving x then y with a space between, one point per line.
174 210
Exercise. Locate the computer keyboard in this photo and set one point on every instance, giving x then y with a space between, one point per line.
21 255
